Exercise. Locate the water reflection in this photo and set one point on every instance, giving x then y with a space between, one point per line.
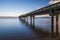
14 29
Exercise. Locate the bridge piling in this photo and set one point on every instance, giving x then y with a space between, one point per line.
33 21
52 22
27 20
57 17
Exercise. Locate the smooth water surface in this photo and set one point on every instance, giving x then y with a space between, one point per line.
14 29
43 23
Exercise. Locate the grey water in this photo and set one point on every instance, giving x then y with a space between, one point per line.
15 29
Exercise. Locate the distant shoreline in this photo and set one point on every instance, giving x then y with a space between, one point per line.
7 17
18 17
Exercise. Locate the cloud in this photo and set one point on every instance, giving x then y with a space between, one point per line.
54 1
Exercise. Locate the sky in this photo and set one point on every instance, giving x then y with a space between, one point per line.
19 7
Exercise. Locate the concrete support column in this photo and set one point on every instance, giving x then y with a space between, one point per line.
52 24
27 20
24 18
30 20
33 21
59 23
57 17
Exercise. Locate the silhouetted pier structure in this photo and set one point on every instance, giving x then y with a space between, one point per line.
52 10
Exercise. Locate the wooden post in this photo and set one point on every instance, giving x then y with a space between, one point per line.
57 15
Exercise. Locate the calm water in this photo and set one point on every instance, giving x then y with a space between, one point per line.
14 29
43 23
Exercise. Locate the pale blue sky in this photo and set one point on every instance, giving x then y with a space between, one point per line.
18 7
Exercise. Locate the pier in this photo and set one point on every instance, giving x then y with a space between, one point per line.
29 19
51 10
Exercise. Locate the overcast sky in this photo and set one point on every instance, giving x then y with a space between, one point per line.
18 7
